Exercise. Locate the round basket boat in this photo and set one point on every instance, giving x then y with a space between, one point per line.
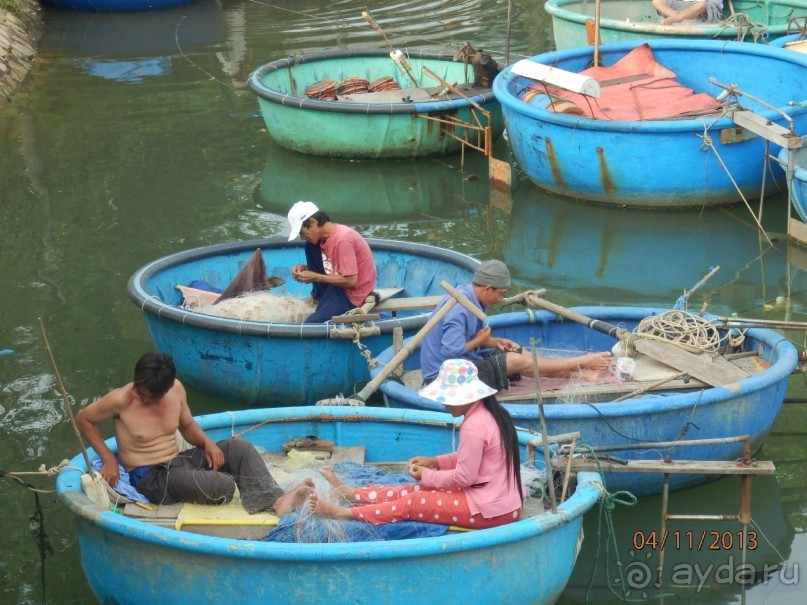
129 561
750 21
673 413
397 119
687 160
290 364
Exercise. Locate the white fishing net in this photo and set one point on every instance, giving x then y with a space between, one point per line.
261 306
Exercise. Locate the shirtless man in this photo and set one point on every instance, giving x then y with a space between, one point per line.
146 414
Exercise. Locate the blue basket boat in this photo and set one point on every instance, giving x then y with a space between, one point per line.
387 124
293 364
128 562
753 20
748 407
664 162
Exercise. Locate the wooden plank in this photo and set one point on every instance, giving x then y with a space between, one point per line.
676 467
766 129
582 391
409 304
700 367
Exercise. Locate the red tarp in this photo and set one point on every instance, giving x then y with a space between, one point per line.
638 88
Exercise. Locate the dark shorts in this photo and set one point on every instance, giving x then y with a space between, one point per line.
492 369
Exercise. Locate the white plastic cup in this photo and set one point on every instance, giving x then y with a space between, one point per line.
625 367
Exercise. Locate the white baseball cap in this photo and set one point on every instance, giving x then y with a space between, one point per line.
299 213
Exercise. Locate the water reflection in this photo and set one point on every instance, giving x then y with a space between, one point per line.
128 47
712 571
620 256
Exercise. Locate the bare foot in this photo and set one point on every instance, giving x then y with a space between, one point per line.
293 498
596 361
337 484
321 508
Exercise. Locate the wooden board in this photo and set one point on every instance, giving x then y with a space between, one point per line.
676 467
701 367
409 304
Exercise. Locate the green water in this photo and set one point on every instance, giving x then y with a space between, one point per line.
134 137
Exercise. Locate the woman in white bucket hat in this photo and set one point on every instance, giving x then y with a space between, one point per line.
477 486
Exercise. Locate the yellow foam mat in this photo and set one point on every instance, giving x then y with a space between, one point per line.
225 514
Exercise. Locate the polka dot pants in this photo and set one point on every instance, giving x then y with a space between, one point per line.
379 505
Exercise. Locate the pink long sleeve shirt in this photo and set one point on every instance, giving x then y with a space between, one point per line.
478 467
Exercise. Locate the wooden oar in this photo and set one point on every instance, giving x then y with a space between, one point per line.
698 366
411 345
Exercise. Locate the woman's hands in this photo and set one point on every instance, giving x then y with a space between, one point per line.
418 463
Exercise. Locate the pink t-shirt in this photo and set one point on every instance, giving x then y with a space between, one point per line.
345 252
478 467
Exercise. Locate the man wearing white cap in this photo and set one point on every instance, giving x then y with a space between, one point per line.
460 334
339 264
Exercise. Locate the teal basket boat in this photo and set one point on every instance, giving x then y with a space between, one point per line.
306 108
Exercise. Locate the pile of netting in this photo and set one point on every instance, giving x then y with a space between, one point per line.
301 526
261 306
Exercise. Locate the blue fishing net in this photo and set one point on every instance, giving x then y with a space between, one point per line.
306 528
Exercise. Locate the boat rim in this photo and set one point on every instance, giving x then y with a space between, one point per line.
503 83
555 8
800 172
785 364
69 491
153 305
269 94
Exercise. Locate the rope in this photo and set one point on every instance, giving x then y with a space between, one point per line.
607 504
689 331
364 351
36 525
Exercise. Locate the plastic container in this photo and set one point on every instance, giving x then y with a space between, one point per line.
625 367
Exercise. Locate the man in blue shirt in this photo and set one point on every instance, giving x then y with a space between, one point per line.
460 335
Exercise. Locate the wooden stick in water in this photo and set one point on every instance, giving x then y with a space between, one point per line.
65 398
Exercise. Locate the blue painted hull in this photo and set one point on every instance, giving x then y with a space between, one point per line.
128 562
798 191
292 364
711 413
115 6
660 163
343 129
631 20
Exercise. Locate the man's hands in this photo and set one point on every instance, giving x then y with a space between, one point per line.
213 455
109 471
485 340
300 273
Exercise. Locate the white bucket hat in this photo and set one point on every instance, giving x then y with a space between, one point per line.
299 213
457 384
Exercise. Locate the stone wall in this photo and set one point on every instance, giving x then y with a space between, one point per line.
20 30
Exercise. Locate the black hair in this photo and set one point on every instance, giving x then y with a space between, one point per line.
154 375
320 216
507 431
